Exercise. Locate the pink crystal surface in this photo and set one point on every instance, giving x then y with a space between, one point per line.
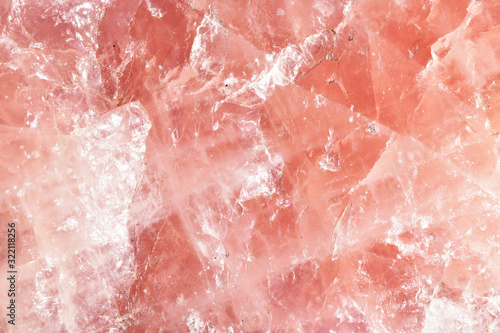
251 165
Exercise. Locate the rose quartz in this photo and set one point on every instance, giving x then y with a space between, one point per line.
252 166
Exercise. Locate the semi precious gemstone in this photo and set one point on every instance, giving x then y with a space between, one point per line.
251 165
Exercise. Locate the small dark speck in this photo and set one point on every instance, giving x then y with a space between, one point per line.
372 128
226 85
114 45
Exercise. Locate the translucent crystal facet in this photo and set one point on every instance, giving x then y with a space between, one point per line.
251 166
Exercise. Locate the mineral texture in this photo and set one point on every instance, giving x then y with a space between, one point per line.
250 165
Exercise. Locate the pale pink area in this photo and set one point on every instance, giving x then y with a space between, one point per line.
251 166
